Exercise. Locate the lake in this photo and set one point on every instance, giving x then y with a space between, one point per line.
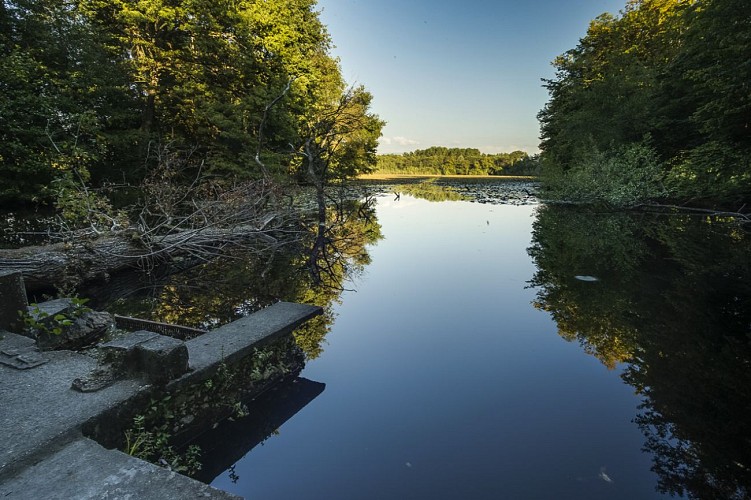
496 349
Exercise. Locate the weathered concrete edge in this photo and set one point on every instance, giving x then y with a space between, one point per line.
236 340
227 344
29 458
85 470
54 442
28 433
230 344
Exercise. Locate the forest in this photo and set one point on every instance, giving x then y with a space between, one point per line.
157 132
102 93
653 104
458 161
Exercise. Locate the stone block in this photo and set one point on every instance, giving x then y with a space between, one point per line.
12 300
155 357
127 342
162 359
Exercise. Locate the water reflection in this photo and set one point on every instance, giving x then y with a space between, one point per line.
429 190
232 439
672 301
227 288
666 299
494 191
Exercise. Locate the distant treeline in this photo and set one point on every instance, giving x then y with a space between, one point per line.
458 161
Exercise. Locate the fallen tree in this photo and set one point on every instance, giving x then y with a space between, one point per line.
70 263
172 223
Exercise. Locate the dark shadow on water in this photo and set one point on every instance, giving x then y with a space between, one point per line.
232 439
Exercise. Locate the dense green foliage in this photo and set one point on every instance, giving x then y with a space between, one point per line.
668 77
457 161
672 307
97 91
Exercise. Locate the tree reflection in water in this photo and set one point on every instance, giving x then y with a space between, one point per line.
314 271
673 305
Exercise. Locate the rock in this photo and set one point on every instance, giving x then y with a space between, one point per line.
89 328
187 419
45 311
98 379
44 314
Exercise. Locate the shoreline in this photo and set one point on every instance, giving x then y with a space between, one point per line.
384 176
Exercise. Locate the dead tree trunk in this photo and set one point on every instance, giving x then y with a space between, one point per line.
56 265
51 265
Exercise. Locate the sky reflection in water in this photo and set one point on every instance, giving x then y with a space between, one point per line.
443 381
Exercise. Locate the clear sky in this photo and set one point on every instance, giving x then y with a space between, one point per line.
457 73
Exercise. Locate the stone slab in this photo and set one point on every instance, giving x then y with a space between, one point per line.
51 308
20 353
16 342
236 340
22 360
38 408
84 470
129 341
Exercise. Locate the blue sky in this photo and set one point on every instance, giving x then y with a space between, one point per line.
457 74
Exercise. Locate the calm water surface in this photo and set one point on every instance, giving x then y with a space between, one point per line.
492 351
442 380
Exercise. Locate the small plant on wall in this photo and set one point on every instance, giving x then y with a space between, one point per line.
40 322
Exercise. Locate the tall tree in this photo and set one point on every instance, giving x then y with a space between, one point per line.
106 87
713 72
669 76
605 88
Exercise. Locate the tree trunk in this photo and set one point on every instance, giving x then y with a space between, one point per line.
48 266
147 118
52 265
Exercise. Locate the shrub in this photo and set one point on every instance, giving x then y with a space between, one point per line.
625 177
